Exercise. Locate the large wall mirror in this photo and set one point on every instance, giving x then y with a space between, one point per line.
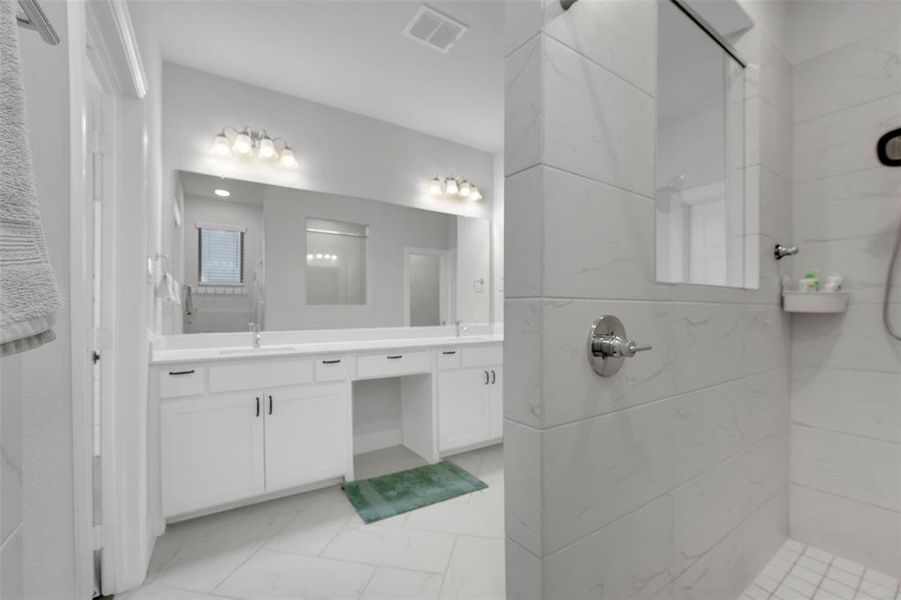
289 259
700 199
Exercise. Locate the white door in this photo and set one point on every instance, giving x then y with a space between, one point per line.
212 450
496 402
463 408
307 429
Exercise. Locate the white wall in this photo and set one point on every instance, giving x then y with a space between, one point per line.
671 477
391 228
46 392
846 371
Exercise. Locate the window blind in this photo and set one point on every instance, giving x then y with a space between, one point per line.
221 256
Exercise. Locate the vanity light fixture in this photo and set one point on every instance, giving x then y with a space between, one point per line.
248 142
222 193
452 186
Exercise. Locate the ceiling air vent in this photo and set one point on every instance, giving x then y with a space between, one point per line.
434 29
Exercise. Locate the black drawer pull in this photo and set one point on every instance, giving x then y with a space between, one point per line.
396 356
331 362
270 404
493 377
258 406
487 378
447 352
181 372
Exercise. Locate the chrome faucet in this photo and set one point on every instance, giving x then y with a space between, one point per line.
255 334
460 327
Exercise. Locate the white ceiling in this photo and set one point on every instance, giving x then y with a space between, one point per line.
350 54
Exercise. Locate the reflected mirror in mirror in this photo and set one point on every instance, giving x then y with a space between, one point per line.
292 259
700 156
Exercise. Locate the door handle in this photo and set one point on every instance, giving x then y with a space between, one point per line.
331 362
178 372
396 356
493 377
270 404
487 378
448 352
258 406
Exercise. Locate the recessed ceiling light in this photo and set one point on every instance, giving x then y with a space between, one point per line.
222 193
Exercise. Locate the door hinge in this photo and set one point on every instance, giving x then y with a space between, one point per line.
99 537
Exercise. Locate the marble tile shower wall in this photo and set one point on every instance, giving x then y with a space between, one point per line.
846 372
671 478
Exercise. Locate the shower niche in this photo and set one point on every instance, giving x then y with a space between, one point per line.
702 229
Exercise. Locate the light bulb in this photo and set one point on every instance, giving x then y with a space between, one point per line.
451 186
475 195
309 257
319 256
334 257
243 144
465 188
435 186
267 148
287 158
220 146
222 193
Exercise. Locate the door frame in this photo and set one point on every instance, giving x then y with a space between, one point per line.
101 38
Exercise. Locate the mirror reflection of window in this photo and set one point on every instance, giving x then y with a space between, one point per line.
700 156
221 258
335 262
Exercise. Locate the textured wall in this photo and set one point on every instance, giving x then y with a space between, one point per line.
846 372
671 477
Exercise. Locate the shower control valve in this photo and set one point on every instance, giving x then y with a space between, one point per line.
608 345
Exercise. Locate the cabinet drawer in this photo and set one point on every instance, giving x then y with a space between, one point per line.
261 374
448 358
482 356
393 363
181 381
331 368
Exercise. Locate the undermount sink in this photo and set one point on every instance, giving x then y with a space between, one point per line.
263 350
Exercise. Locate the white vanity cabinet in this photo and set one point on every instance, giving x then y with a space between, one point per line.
470 399
221 445
306 435
212 451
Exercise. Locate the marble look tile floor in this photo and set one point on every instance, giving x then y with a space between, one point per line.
314 545
801 572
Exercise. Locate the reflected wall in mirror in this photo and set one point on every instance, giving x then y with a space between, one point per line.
700 199
289 259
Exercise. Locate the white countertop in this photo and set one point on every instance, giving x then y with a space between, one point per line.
183 355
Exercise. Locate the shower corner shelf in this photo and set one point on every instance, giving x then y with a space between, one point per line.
814 302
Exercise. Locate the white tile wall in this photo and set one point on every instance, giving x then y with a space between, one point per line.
671 477
846 372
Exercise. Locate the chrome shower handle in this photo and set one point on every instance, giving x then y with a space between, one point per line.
609 346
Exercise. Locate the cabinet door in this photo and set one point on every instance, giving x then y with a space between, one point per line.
307 429
463 408
496 402
212 451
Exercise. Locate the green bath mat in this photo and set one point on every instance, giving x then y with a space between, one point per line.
389 495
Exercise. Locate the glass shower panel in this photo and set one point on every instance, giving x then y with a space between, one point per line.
700 157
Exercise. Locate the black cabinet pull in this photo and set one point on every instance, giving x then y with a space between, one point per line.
270 404
449 352
181 372
395 356
486 378
331 362
258 406
493 377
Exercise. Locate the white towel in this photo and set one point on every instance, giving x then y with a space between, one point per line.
29 298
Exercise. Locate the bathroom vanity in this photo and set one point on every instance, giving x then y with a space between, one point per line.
238 424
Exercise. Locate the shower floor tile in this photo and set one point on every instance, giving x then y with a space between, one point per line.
801 572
